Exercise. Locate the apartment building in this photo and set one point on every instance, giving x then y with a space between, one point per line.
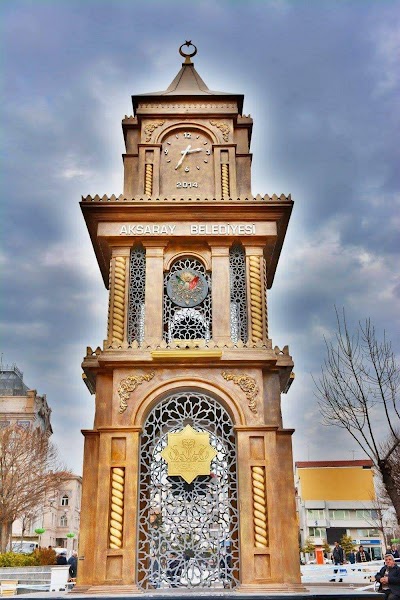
336 498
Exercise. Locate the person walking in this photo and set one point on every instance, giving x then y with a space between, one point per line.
73 565
338 558
338 554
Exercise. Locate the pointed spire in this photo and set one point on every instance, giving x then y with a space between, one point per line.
188 82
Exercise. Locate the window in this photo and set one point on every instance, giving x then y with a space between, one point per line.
318 532
64 500
137 285
24 424
315 514
237 267
63 521
340 514
4 424
367 533
366 514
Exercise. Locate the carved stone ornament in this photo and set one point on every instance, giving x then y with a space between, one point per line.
223 127
248 385
150 127
189 453
128 385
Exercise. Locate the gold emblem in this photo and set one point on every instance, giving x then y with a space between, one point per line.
189 453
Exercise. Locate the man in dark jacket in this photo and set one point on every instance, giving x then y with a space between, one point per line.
62 558
338 554
389 578
352 557
362 555
73 565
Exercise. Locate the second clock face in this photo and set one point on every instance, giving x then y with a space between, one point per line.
187 163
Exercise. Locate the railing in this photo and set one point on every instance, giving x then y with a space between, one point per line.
356 574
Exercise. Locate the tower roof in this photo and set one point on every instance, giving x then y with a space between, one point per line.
188 83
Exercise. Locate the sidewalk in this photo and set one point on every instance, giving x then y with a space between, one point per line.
328 591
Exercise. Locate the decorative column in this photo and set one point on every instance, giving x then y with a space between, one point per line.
149 168
153 325
225 170
118 299
255 289
221 324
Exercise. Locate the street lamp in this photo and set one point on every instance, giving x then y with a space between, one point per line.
40 531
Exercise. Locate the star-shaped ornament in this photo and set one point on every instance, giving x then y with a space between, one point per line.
189 453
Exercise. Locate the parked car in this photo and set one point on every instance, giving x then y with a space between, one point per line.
23 547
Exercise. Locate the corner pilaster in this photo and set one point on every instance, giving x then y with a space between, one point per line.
153 324
118 298
221 325
258 330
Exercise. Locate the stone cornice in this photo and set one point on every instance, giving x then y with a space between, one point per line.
144 199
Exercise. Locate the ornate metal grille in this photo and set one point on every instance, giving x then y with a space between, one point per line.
198 521
237 266
187 323
137 286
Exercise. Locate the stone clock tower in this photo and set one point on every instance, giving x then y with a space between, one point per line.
188 474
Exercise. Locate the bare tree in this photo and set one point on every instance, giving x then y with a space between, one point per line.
30 470
359 391
381 513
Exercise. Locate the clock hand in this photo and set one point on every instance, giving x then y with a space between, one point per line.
194 150
184 152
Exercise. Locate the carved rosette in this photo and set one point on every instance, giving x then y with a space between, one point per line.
224 129
128 385
118 318
117 507
248 385
260 521
256 303
150 127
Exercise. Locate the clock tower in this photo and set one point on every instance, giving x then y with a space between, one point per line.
188 476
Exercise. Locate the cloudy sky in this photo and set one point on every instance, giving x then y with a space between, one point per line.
321 81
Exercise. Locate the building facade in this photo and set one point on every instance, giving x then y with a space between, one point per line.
19 405
337 498
188 384
59 516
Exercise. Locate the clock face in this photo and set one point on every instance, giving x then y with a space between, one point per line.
187 164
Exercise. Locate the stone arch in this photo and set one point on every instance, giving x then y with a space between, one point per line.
198 384
177 514
201 257
183 126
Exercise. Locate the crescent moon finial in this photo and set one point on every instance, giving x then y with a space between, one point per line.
188 55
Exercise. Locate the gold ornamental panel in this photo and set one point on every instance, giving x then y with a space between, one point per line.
188 454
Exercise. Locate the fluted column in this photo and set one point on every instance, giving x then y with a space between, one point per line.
118 299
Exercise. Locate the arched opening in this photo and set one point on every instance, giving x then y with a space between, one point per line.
188 532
